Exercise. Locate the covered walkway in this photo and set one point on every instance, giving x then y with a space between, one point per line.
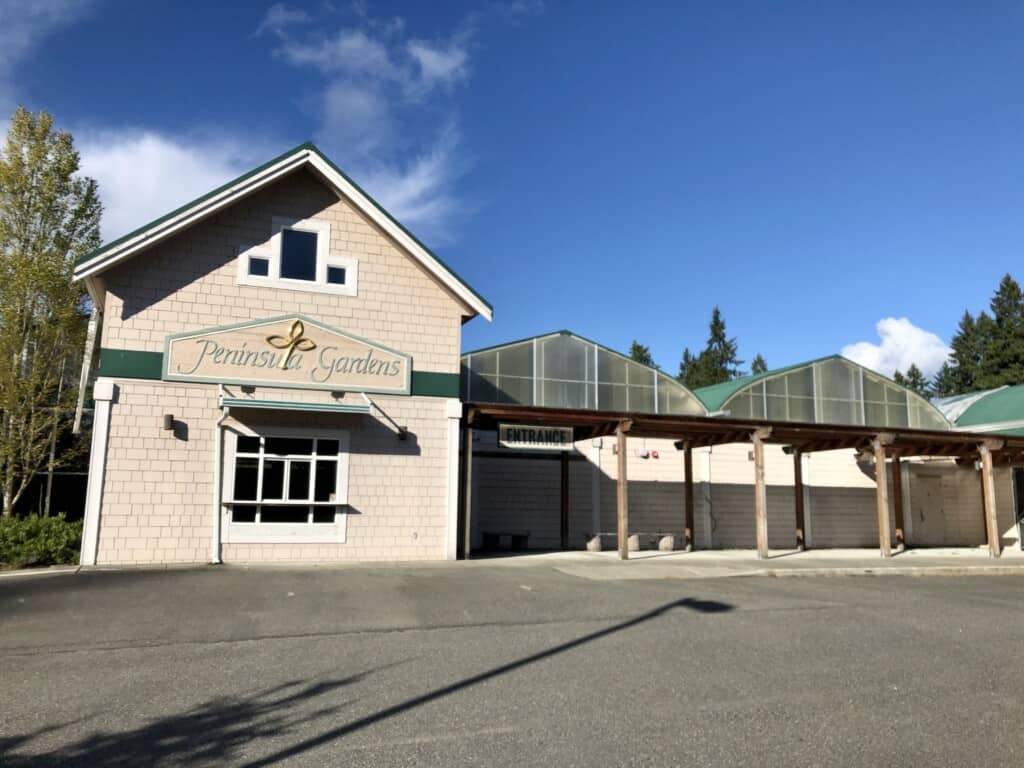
886 447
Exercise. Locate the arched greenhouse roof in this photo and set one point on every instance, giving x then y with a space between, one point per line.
832 390
998 410
563 370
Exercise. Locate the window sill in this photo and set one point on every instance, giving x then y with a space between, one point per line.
306 286
285 533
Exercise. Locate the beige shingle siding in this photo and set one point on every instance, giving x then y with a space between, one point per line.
190 281
158 492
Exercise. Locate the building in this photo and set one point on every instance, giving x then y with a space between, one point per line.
277 381
280 379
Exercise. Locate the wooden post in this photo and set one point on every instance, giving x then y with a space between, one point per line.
882 498
760 492
565 500
989 498
798 498
897 501
688 540
467 492
623 491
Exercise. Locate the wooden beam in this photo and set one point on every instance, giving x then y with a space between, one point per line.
565 500
467 492
989 501
760 494
798 499
882 498
688 539
897 501
623 493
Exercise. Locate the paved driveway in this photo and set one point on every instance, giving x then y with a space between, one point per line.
484 664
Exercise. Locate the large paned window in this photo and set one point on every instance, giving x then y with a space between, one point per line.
288 481
298 257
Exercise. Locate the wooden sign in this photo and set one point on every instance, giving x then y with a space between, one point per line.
293 351
535 437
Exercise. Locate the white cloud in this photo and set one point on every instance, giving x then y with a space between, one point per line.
375 117
23 25
143 174
279 17
902 344
517 9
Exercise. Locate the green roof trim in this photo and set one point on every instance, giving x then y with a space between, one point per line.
306 146
1005 404
716 395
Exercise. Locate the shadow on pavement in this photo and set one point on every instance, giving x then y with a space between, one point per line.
213 733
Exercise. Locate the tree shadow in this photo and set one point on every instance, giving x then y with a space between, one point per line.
214 732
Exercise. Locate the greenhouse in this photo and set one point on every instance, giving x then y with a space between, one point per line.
563 370
832 390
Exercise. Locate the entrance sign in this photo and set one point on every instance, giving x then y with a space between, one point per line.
535 437
293 351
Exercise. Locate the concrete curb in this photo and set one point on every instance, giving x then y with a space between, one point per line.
920 570
52 570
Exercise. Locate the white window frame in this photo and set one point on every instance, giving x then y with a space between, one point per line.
285 533
271 251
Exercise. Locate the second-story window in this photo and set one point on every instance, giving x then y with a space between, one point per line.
298 257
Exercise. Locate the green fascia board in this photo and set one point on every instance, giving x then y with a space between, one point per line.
432 384
138 364
1002 405
310 146
130 364
716 395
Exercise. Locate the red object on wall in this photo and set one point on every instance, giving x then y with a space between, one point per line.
654 454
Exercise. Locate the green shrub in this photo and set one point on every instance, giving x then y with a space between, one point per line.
36 540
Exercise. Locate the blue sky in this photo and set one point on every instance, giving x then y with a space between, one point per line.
824 172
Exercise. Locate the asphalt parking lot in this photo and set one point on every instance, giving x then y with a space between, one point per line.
502 666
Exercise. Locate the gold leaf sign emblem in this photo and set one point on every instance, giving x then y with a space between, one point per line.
293 341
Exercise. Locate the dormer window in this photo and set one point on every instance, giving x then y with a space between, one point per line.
298 258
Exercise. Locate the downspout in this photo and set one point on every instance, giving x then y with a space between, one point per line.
218 479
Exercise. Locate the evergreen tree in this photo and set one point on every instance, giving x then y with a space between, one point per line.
1003 358
759 365
915 381
718 361
943 383
641 354
968 351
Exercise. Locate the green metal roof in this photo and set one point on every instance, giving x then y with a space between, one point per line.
213 193
1006 404
716 395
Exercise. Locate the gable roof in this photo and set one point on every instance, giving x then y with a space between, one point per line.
304 155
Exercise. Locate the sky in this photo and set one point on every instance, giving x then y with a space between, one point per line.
836 177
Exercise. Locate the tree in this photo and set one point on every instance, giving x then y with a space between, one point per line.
49 216
969 345
1003 358
913 380
641 354
718 361
759 365
943 383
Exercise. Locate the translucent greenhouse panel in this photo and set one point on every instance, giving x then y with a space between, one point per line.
924 416
562 358
515 389
611 369
674 399
563 394
741 405
612 397
641 399
464 381
874 401
839 398
484 362
777 397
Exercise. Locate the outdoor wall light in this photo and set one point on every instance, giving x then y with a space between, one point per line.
168 422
